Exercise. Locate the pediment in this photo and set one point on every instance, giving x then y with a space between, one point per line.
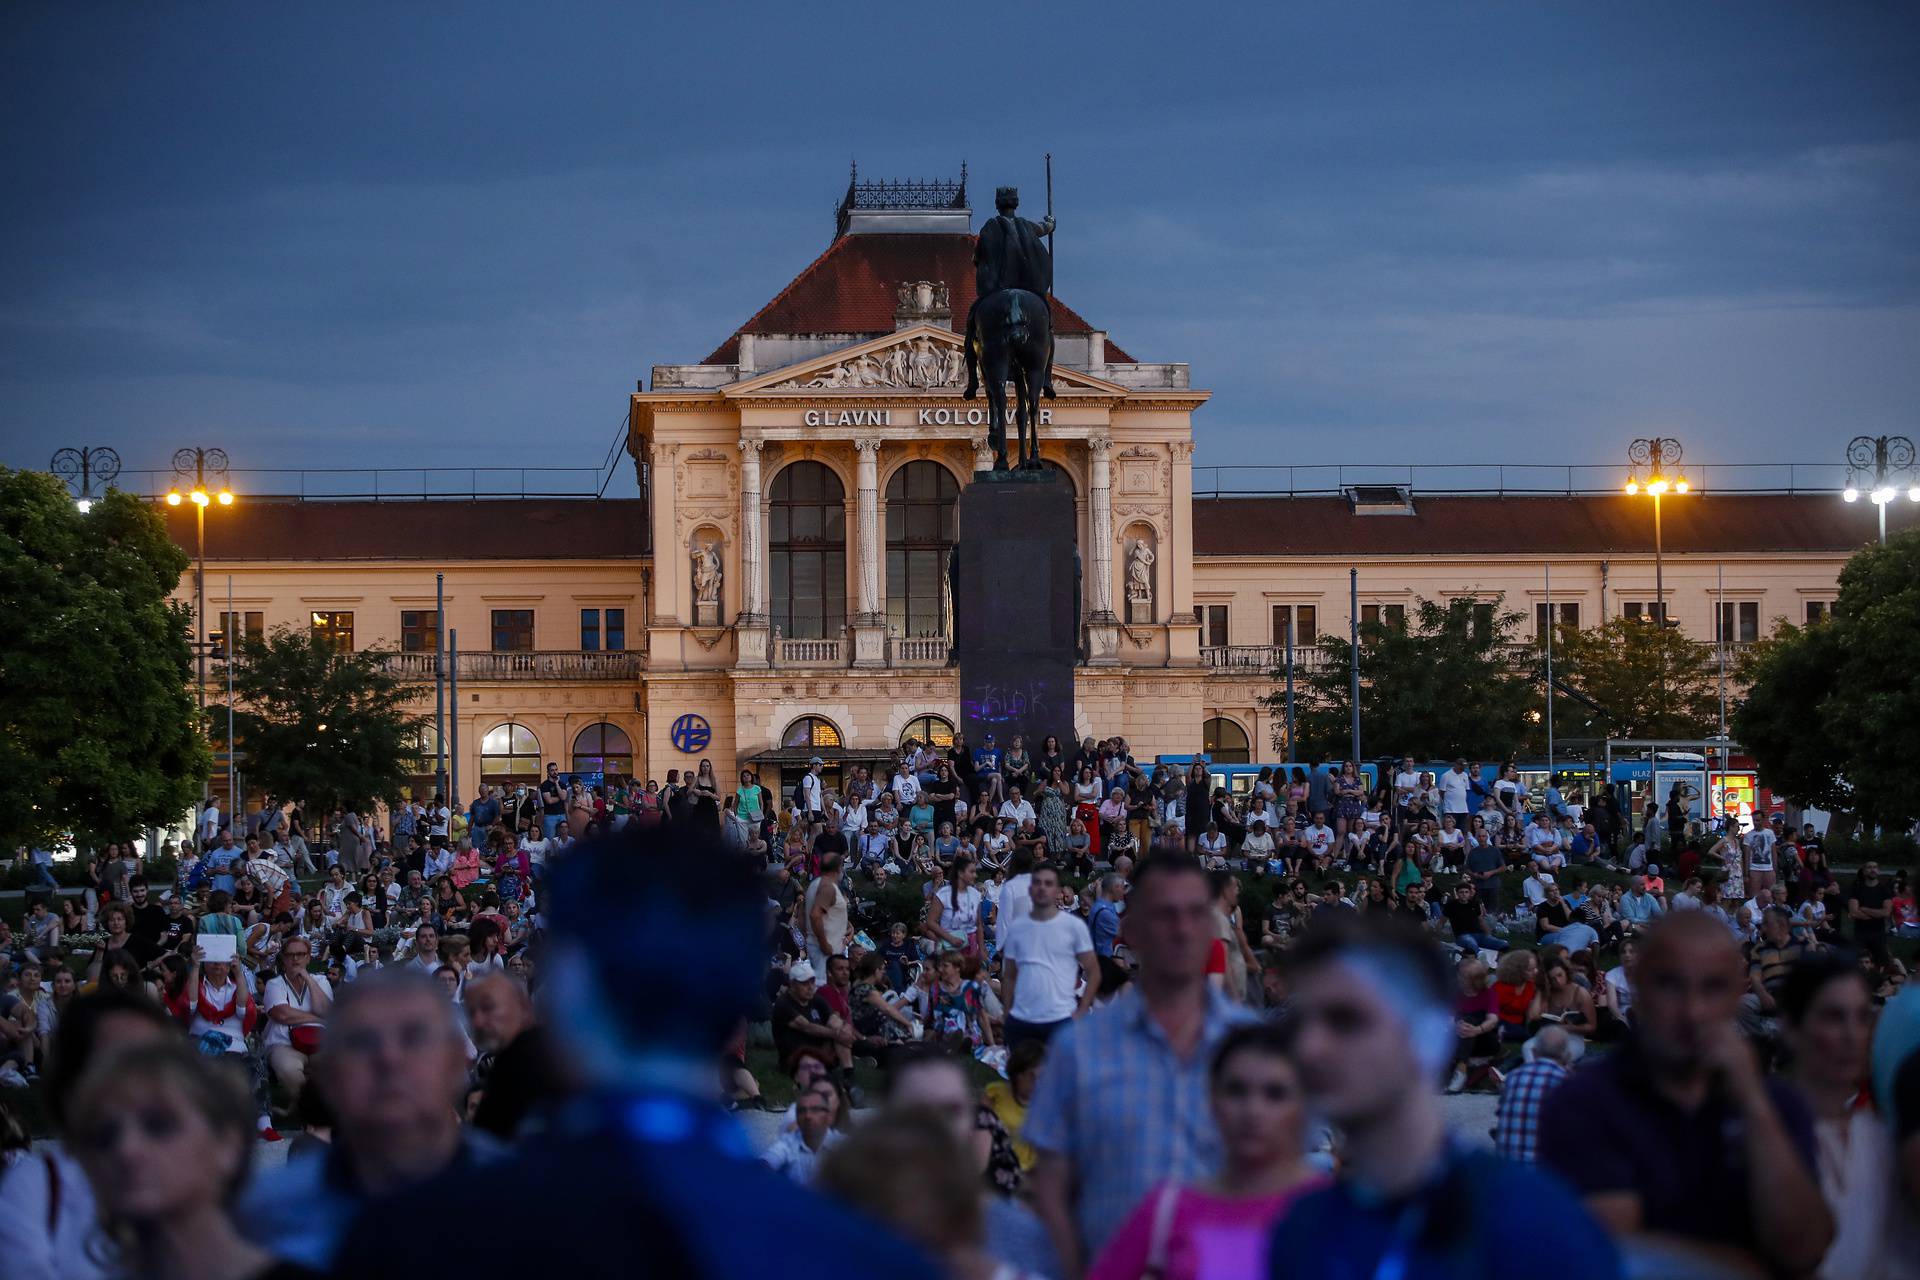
923 358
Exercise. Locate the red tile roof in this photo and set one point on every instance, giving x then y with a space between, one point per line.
850 289
1589 525
480 529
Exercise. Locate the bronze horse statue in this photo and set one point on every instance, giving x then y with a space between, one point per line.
1010 337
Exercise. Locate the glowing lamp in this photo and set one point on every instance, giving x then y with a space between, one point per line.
173 498
1850 494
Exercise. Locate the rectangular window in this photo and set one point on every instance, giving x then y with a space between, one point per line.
1482 616
250 625
589 630
615 636
1566 613
1213 626
333 627
1638 610
419 630
1739 620
1818 611
513 630
1304 620
1389 615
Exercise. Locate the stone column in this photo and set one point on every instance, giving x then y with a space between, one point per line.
752 623
1103 632
1176 557
870 622
982 455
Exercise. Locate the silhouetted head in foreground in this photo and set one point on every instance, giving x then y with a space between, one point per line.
656 951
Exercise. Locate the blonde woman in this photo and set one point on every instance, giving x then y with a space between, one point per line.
164 1137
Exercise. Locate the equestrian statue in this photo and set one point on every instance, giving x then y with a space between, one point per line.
1010 325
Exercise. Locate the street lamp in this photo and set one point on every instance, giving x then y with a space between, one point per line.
1653 469
198 465
1880 461
82 469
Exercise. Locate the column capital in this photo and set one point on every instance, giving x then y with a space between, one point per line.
1182 450
867 445
1098 445
750 447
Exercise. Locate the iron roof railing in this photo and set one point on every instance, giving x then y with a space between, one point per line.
1500 479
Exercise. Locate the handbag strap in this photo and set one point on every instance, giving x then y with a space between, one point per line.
1158 1241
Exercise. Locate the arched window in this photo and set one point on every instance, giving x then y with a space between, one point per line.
934 730
807 552
922 521
811 731
1225 742
603 748
509 754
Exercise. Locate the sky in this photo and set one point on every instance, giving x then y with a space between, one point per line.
456 235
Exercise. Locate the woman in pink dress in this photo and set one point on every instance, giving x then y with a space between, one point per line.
1219 1227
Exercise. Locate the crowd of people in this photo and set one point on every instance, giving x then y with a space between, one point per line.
1215 1032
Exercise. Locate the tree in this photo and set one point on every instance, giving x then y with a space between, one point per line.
1648 681
1443 684
1832 715
321 725
99 737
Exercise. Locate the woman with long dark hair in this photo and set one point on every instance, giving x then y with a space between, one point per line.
953 912
1827 1020
1219 1226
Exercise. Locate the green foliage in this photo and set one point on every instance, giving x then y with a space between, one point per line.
1833 713
1649 682
98 736
1443 685
319 725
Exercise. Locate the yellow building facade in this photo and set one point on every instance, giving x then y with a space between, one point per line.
779 590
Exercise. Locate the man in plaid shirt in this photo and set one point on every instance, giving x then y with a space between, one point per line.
1122 1099
1516 1125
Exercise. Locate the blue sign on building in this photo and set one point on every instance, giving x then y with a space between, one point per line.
690 733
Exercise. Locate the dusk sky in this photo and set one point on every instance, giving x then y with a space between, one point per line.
416 235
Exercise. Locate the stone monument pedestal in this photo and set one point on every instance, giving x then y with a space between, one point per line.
1016 607
706 613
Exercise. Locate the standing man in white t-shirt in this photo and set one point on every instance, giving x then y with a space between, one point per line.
1456 784
813 794
1759 846
1016 900
1039 962
1406 785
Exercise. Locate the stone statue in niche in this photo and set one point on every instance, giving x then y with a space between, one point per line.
1140 581
706 584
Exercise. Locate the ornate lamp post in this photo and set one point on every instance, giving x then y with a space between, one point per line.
85 468
1881 461
197 466
1653 470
